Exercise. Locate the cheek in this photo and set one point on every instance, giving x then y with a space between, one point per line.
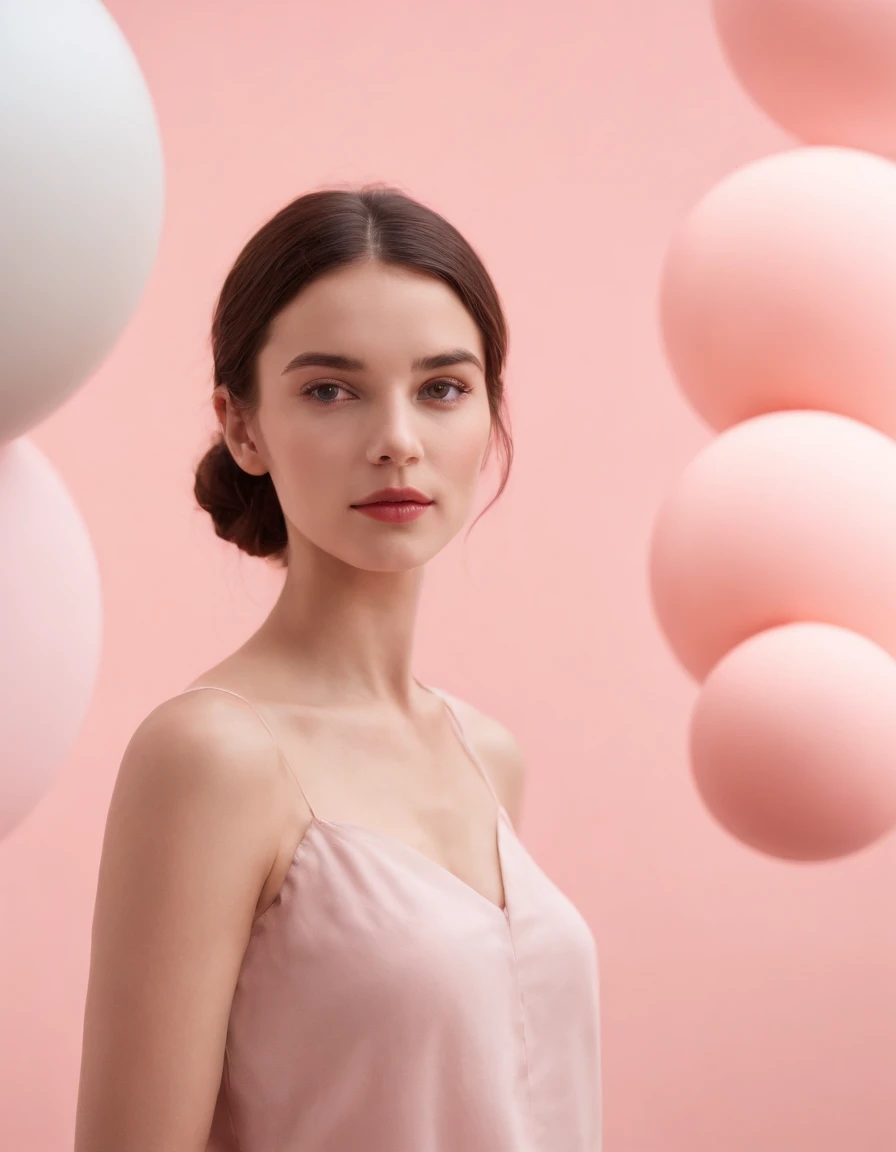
468 441
303 452
306 470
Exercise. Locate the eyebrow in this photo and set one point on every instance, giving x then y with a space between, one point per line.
351 364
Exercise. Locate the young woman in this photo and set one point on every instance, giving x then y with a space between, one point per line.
316 928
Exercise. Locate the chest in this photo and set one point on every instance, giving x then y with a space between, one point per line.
423 790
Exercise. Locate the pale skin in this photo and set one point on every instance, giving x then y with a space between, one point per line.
205 819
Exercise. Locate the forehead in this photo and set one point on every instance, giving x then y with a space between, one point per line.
372 310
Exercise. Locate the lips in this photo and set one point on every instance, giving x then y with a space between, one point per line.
395 496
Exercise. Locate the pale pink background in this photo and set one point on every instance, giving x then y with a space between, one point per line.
747 1004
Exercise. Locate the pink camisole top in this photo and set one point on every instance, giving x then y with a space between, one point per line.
385 1005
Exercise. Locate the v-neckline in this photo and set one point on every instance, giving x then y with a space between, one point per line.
435 865
501 815
501 819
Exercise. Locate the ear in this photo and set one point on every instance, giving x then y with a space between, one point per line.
238 434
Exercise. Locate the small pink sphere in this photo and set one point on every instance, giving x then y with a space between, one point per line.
793 742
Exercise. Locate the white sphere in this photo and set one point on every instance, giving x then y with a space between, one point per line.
81 199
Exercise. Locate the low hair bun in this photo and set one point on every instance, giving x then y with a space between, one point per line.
244 508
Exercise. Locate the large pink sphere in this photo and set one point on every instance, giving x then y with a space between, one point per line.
777 291
825 70
50 627
787 517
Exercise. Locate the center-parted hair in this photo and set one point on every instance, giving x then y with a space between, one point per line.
315 234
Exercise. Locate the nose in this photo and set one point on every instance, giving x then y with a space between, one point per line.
396 437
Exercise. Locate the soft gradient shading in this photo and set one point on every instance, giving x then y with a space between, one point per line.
787 517
793 742
779 529
777 290
746 1004
824 69
82 200
51 629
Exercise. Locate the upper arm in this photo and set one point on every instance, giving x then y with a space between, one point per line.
189 842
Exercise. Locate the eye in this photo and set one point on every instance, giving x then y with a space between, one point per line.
311 389
462 388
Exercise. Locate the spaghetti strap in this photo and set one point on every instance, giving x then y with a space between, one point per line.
459 729
215 688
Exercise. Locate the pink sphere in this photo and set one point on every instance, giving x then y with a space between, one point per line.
777 291
50 627
825 70
788 517
793 742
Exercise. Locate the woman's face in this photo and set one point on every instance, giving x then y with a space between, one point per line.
330 435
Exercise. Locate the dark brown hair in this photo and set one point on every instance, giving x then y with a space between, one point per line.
317 233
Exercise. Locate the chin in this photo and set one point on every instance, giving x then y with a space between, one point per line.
398 555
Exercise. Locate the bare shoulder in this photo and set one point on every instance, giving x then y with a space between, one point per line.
499 751
189 841
209 729
204 757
